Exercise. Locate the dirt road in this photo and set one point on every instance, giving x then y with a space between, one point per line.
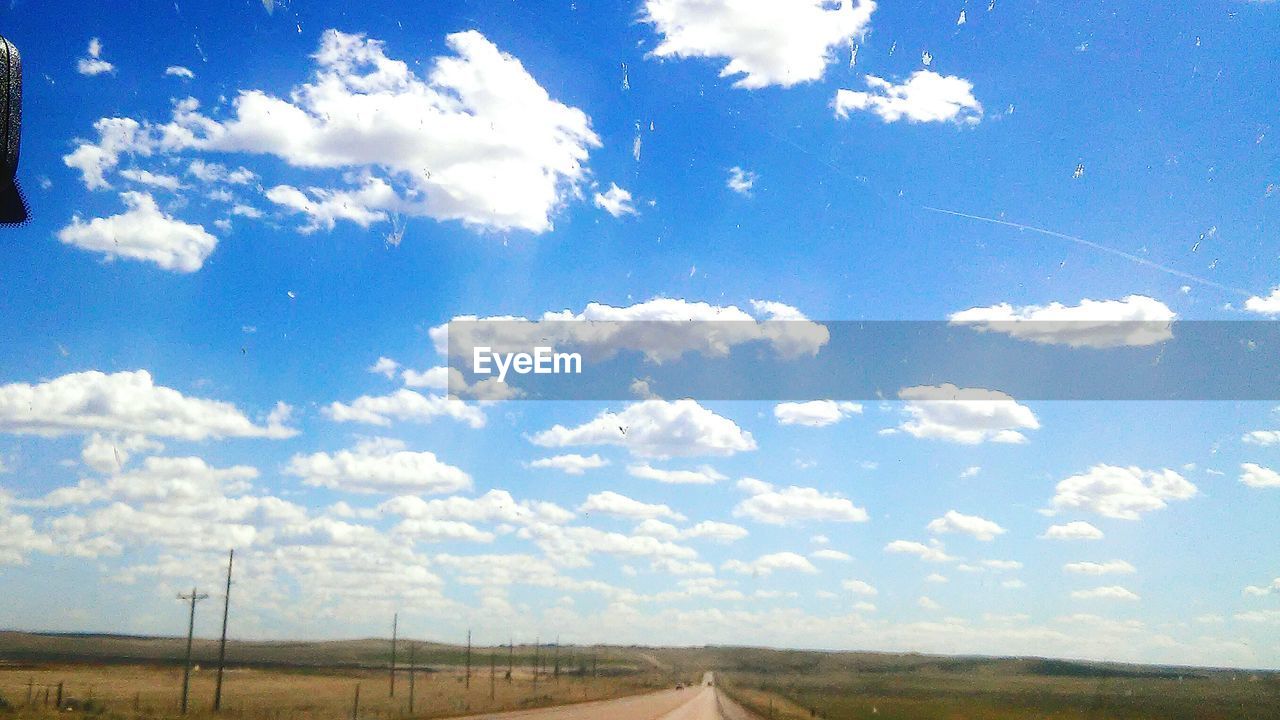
692 703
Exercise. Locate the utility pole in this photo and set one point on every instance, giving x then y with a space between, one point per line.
511 649
493 672
222 644
468 659
412 664
557 663
537 648
194 597
395 624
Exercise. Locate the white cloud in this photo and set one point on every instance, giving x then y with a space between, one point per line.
860 587
926 96
1133 321
656 429
1121 492
93 64
1259 591
495 506
1261 437
615 201
794 504
146 177
968 416
617 505
379 465
928 603
324 207
969 472
110 453
143 232
953 521
766 564
169 481
116 136
404 405
1110 592
385 367
829 554
1259 616
124 402
1111 567
212 172
935 578
815 413
704 475
1256 476
1269 305
478 140
571 464
933 552
741 181
715 531
19 537
1075 530
179 71
783 42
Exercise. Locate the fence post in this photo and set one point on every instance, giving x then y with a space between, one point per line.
355 705
59 696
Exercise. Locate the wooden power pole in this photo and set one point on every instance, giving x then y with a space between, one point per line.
222 644
395 624
194 597
468 659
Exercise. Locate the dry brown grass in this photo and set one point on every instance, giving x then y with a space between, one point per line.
145 692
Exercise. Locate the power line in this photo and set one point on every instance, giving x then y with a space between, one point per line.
194 597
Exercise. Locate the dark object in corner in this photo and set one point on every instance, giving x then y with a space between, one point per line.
13 207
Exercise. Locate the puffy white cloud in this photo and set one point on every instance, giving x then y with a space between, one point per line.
385 367
715 531
146 177
379 465
617 505
110 453
128 403
968 416
495 506
1111 567
1109 592
815 413
860 587
1261 590
116 136
829 554
615 201
179 71
793 504
990 565
571 464
741 181
933 552
212 172
92 63
1121 492
704 475
1261 437
936 578
1259 616
656 429
969 472
1256 476
783 42
766 564
169 481
1268 305
926 96
662 329
18 536
324 207
405 405
478 140
927 603
573 546
1075 530
956 522
1133 321
143 232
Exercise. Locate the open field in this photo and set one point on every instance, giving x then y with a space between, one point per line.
140 678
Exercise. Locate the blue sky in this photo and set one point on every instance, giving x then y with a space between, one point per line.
217 191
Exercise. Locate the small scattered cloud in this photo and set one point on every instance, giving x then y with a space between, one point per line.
92 63
615 201
926 96
741 181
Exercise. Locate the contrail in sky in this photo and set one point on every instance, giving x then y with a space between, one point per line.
1096 246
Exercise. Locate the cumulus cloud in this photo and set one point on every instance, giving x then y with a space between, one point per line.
1075 530
1121 492
495 506
741 181
1265 305
615 201
128 403
571 464
829 554
1256 476
116 136
156 180
379 465
406 405
662 329
704 475
1261 590
815 413
766 564
179 71
926 96
170 481
109 453
968 416
1111 567
656 429
715 531
617 505
324 207
784 42
933 552
143 232
92 63
860 587
955 522
1109 592
1133 321
774 506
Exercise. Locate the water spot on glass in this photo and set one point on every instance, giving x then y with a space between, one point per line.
1214 265
961 20
853 55
1271 188
1083 47
1079 173
1009 110
1197 41
926 58
635 145
893 47
626 80
991 5
292 295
